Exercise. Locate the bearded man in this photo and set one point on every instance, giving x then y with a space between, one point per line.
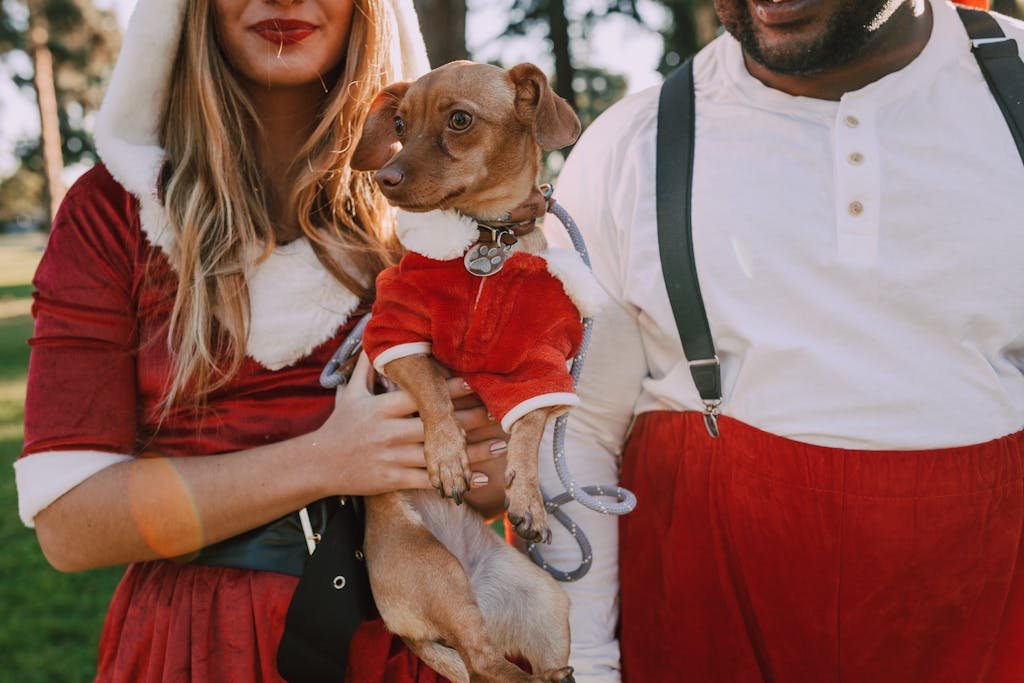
858 237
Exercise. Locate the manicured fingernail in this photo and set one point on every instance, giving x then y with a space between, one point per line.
465 385
479 479
499 447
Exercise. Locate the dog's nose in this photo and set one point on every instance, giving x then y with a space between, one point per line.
390 176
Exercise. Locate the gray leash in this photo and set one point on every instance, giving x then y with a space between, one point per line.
587 496
625 500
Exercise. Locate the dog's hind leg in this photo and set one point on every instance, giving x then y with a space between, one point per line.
526 611
440 658
429 600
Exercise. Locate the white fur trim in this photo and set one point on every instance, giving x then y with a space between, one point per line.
542 401
578 281
400 351
128 123
408 53
42 478
296 305
440 235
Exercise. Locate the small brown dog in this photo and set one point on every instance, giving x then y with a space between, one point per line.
470 137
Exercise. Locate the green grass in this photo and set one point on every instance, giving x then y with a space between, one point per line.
51 621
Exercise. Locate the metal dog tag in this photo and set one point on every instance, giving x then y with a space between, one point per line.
485 259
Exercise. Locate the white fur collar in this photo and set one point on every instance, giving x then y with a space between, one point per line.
440 235
296 305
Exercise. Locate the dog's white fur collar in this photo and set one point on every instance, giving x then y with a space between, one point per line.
577 280
446 235
295 304
440 235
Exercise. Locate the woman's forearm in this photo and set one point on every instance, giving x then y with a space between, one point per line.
149 508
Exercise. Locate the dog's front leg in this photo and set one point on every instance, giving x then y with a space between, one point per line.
523 499
444 441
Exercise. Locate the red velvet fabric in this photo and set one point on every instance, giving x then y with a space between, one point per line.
508 335
756 558
97 367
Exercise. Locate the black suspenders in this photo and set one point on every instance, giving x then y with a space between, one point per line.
1001 65
999 59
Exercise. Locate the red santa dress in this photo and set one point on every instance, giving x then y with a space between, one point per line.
97 368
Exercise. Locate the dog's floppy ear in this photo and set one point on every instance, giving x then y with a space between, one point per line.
378 140
554 122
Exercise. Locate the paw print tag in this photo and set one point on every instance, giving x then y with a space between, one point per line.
485 259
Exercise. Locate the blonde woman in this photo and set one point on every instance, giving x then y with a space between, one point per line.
194 286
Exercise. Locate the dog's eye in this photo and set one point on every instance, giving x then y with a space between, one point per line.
399 126
460 120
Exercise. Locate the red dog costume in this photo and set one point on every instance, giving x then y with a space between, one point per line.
508 335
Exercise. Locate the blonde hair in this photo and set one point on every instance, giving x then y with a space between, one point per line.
213 196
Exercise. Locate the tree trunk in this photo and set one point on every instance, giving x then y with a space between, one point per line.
46 97
1012 8
444 29
565 73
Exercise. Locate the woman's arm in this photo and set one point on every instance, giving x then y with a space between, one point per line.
148 508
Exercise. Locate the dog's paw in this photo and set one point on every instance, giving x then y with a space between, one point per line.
563 675
447 461
527 513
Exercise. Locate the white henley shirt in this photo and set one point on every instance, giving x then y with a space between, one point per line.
861 263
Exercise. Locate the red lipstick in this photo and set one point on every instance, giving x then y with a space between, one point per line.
283 31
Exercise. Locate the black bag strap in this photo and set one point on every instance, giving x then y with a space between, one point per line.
673 185
999 59
330 601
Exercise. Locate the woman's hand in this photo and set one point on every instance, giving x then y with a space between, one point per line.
373 444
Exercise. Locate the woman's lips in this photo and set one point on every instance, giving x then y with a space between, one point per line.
283 31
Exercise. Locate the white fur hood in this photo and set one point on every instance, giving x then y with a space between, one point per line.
300 310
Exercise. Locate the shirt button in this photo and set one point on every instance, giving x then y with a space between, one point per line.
852 122
856 158
855 208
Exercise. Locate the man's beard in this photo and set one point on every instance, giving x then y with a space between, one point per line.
847 35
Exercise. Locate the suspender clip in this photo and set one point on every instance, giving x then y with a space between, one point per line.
711 412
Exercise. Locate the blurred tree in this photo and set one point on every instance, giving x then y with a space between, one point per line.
21 198
551 15
692 25
72 47
1013 8
444 29
596 90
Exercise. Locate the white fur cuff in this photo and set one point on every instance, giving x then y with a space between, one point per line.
542 401
42 478
400 351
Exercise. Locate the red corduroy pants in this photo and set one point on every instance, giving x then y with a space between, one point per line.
756 558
